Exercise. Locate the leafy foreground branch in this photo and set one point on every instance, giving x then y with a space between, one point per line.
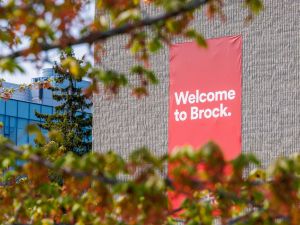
64 170
96 36
107 189
52 25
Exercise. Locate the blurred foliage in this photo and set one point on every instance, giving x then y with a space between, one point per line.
28 29
108 189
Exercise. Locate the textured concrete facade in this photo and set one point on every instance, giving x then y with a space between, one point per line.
271 86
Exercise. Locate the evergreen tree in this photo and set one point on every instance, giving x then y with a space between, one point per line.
70 116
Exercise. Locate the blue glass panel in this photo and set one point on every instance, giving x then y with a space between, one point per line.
47 110
34 108
2 107
23 110
2 121
22 135
11 108
6 126
13 129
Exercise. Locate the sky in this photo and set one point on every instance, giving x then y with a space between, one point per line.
30 69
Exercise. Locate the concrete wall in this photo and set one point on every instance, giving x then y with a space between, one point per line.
271 86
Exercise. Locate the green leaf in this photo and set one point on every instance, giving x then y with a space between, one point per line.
124 17
135 46
150 75
6 163
173 26
41 23
154 45
197 37
255 6
10 65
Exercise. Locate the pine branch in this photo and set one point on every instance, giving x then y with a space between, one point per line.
69 117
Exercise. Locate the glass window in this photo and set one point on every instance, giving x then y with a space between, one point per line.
34 108
22 123
23 110
6 126
13 129
47 110
22 136
11 108
2 106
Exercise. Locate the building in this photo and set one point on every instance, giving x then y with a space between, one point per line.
19 111
270 85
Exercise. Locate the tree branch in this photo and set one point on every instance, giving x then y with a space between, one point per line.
77 174
69 171
102 35
80 174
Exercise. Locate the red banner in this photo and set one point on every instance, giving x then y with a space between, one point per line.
205 96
